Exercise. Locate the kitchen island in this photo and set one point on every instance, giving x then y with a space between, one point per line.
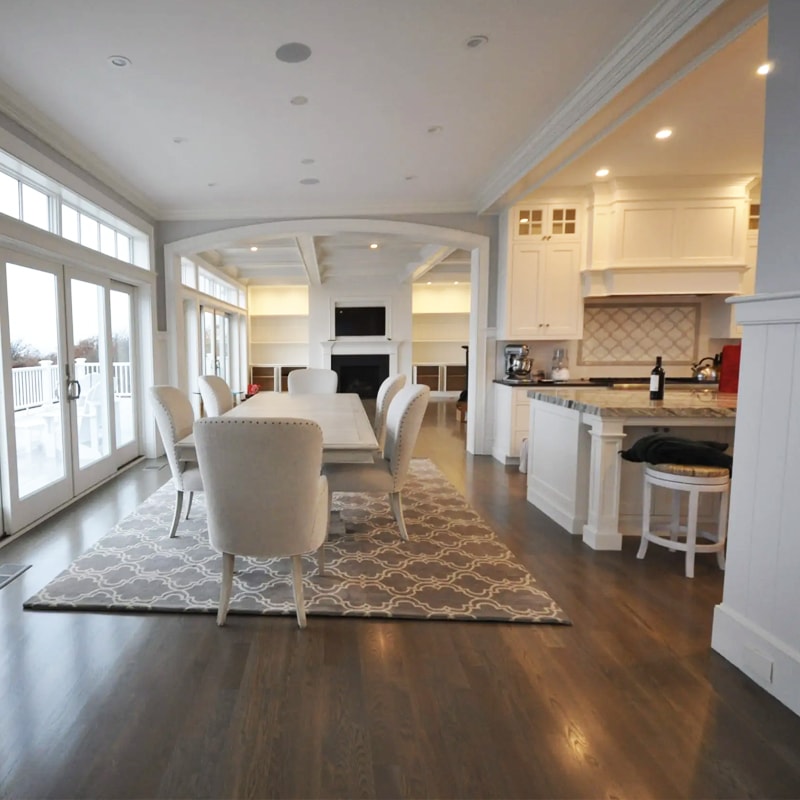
575 473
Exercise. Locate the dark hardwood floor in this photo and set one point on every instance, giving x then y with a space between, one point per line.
630 701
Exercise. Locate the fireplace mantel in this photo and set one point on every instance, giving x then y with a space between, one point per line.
361 345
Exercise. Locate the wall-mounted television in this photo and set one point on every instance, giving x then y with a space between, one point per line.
360 321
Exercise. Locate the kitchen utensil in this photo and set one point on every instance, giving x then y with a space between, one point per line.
518 365
706 369
559 370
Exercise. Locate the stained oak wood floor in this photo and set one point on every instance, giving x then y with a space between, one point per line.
629 702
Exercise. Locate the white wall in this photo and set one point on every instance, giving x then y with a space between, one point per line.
396 297
757 627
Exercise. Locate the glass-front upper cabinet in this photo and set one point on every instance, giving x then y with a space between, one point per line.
546 222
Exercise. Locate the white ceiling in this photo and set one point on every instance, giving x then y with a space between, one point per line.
381 74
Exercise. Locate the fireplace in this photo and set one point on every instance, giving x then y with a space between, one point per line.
361 374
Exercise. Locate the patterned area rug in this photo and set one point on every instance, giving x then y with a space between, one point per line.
454 567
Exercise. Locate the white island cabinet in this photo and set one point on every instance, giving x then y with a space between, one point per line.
511 405
575 473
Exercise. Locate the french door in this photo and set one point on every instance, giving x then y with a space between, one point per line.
216 338
69 397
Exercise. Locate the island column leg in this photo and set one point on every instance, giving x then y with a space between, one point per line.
601 531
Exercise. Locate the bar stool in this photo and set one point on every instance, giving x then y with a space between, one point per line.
695 480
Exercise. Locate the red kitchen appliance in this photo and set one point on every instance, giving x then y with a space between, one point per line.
729 369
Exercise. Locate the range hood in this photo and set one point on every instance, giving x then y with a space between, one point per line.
667 279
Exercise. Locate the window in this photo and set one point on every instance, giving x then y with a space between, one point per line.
205 281
9 195
32 197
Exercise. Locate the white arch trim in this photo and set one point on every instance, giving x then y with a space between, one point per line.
480 369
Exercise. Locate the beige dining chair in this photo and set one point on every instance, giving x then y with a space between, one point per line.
386 393
278 509
312 380
387 473
217 395
174 417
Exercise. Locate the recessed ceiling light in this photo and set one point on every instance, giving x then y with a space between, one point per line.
373 246
476 41
764 69
435 129
119 61
253 249
601 173
299 100
455 283
307 161
309 181
429 283
293 52
664 133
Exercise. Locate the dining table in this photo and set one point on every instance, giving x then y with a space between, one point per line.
347 432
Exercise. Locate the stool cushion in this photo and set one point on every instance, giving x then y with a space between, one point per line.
662 449
690 470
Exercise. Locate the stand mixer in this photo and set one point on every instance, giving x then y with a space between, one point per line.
518 365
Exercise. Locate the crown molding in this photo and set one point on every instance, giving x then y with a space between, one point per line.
673 39
45 131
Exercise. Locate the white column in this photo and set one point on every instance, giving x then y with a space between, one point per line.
757 626
601 531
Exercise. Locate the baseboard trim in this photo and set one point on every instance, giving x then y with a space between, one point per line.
544 503
769 662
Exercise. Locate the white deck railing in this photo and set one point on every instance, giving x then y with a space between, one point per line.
38 386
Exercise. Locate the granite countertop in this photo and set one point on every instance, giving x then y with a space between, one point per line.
539 382
637 403
628 383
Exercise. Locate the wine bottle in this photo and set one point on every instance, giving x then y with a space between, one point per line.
657 381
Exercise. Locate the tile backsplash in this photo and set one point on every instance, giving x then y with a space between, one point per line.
633 333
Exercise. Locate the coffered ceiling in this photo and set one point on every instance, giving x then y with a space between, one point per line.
403 107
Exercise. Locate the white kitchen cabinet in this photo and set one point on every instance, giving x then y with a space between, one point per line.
544 291
539 287
668 237
511 419
546 222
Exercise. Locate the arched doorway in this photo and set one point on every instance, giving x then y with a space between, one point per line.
481 367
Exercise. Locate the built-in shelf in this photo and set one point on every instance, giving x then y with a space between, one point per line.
271 377
441 378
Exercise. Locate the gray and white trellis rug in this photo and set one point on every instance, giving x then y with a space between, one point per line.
453 568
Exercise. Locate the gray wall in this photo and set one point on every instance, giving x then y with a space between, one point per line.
24 135
778 255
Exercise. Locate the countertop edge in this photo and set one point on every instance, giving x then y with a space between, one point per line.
724 406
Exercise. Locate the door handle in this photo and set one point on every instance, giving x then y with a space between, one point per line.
71 393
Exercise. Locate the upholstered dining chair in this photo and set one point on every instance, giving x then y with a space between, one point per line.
386 393
387 473
278 509
217 395
174 417
312 380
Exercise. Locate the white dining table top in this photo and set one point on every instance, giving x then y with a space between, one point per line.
342 417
